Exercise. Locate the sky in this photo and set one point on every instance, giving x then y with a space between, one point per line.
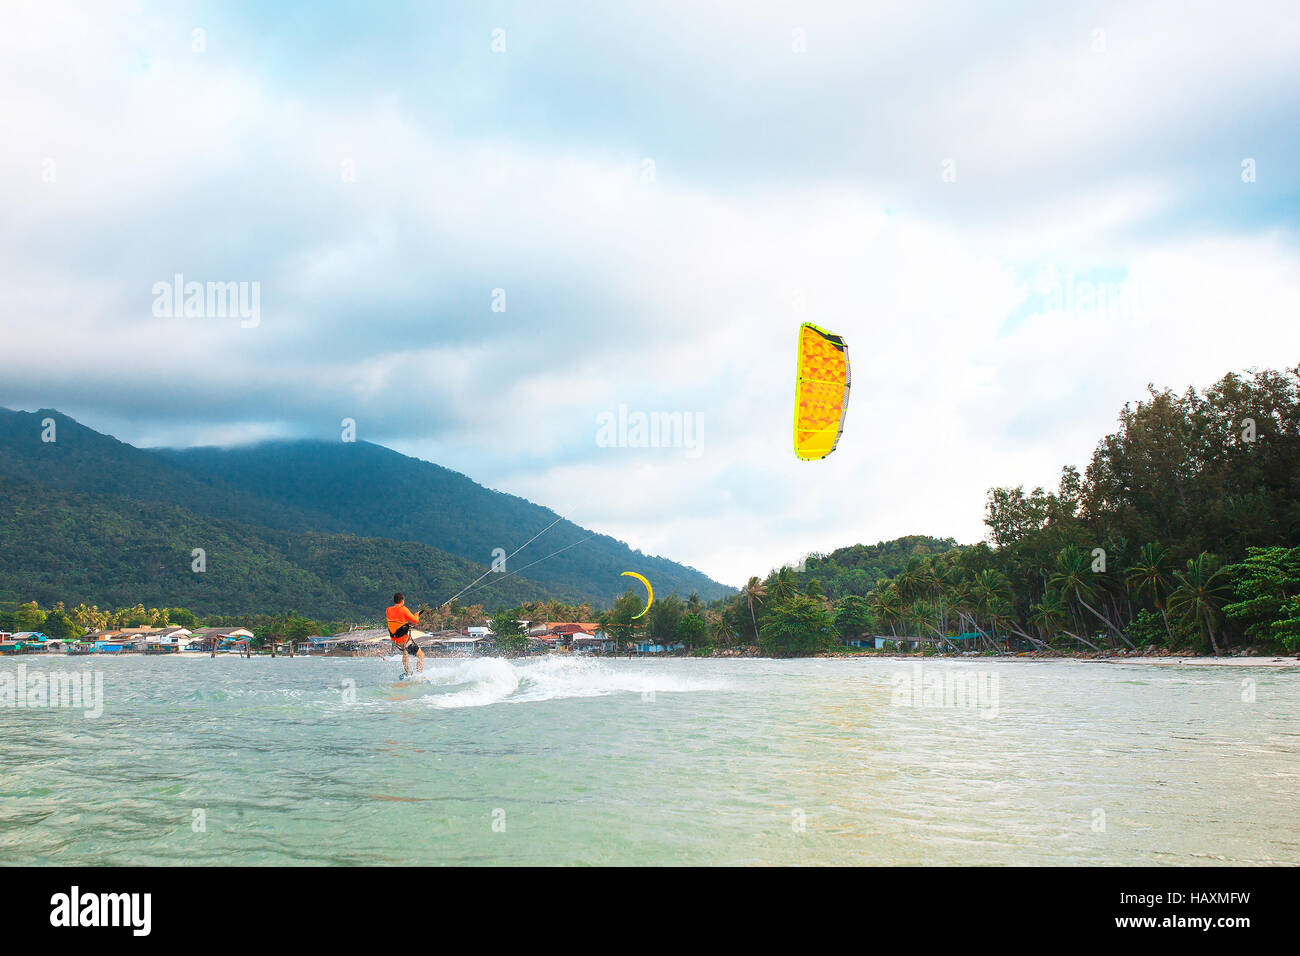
478 230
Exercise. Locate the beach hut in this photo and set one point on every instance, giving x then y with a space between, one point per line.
596 643
562 634
651 646
167 640
206 638
461 645
29 642
358 642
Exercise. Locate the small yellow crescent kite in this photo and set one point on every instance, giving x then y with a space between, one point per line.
649 590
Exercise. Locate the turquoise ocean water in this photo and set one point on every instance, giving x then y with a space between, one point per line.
559 760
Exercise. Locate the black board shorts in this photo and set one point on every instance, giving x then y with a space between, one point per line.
408 645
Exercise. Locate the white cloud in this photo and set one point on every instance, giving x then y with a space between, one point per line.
678 295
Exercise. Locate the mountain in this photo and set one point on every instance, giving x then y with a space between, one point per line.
74 547
332 523
367 489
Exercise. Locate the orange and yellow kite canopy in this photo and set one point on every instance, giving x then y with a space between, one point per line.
821 392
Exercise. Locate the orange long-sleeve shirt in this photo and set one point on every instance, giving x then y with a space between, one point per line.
398 615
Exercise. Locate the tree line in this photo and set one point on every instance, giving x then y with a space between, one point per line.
1181 532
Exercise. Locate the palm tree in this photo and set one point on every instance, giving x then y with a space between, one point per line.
1074 578
886 605
947 579
719 630
1150 577
992 597
1200 594
754 590
1116 553
916 617
926 584
1047 616
783 586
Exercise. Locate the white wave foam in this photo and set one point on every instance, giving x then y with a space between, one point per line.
480 681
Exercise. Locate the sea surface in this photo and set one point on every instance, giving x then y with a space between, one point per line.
558 760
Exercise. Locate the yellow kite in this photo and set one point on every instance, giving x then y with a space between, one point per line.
650 592
821 392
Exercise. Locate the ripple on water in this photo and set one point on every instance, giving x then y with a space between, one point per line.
688 761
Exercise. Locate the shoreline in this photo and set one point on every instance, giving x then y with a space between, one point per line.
1172 660
1157 660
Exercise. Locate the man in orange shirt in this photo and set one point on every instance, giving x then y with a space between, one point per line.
400 620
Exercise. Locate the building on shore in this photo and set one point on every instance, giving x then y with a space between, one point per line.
561 634
455 644
165 640
907 642
596 643
203 638
651 646
358 642
23 642
376 642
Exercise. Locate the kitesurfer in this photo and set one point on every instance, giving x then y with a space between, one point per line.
400 620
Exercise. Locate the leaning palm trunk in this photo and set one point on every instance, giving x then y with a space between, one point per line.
1033 640
978 630
1103 618
1084 640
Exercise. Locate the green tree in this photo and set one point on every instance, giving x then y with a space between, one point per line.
1076 581
802 625
60 626
1200 593
692 630
664 617
853 616
753 593
720 631
29 617
1266 595
182 617
89 618
508 632
1149 577
620 622
886 605
1047 617
783 585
